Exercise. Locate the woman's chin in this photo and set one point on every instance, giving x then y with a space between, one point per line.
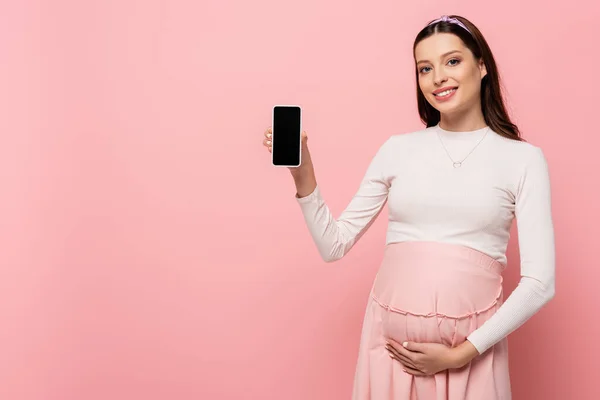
450 107
447 108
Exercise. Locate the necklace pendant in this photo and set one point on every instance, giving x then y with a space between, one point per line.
457 164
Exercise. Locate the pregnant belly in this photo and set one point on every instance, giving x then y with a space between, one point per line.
432 296
401 325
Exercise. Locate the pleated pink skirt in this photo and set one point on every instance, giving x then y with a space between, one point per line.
436 293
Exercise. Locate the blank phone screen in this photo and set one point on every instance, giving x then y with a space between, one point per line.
286 135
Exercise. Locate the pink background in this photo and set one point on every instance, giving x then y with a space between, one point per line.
148 250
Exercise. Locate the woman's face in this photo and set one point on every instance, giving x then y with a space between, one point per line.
444 62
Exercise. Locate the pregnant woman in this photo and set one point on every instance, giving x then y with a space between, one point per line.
436 321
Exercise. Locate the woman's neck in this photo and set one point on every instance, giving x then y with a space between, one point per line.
463 123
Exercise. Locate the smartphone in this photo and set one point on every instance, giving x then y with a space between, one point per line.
286 143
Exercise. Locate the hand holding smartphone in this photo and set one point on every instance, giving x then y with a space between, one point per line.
286 142
287 136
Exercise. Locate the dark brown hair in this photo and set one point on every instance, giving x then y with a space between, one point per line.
492 103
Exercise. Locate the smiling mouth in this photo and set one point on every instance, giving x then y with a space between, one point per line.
446 92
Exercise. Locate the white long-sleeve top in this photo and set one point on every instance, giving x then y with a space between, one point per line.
473 205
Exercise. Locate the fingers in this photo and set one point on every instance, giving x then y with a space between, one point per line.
401 351
407 365
411 355
413 371
268 141
400 357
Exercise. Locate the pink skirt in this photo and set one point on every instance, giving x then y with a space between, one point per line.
436 293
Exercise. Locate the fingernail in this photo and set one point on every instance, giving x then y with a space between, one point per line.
268 135
404 370
405 344
268 142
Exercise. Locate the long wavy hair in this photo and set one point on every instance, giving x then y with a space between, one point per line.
492 102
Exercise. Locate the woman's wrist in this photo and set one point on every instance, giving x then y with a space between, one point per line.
463 354
304 176
305 184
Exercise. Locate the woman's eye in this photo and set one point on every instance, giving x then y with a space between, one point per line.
453 62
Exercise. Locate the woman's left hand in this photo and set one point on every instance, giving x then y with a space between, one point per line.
426 358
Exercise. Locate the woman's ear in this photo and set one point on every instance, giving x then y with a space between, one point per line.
482 68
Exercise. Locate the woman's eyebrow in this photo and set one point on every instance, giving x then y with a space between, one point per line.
442 56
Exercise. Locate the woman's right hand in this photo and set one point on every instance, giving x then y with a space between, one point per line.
304 175
305 162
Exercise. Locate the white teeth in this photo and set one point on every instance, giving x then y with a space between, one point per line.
446 92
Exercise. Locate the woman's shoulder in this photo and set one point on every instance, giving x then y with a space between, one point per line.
407 142
408 137
518 147
520 152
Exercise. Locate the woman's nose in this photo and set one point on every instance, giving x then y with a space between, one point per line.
439 75
439 78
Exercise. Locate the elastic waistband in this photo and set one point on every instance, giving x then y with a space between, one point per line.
451 250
